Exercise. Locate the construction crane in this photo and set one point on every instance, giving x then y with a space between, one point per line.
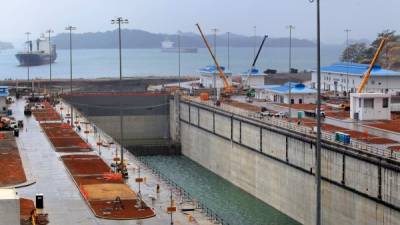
371 66
254 62
228 89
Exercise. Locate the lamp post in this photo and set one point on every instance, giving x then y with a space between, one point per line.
49 31
29 52
179 58
214 72
119 21
229 55
348 60
70 29
318 139
290 27
255 40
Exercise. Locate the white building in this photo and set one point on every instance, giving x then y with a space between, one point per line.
253 78
370 106
209 76
346 77
3 97
299 93
9 207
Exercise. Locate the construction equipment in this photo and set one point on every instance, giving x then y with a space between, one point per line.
245 82
371 66
228 89
250 94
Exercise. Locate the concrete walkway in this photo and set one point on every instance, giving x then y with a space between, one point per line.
62 199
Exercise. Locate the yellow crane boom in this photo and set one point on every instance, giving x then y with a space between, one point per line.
227 86
371 66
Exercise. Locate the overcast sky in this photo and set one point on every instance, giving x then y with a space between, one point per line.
364 17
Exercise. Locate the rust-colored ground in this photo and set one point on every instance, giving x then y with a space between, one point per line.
242 105
362 136
100 193
93 179
104 210
395 148
11 167
392 125
26 208
64 138
46 114
338 114
86 166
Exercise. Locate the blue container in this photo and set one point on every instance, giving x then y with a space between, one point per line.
346 139
9 112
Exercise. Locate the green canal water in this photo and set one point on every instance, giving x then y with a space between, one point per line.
230 202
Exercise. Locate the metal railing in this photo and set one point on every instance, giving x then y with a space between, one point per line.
211 214
327 136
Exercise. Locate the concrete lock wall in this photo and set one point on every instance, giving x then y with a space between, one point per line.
278 167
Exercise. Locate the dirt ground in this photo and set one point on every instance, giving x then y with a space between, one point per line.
243 105
64 138
11 167
100 194
86 165
26 208
104 209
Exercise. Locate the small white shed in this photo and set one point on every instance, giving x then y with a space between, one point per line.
9 207
209 76
370 106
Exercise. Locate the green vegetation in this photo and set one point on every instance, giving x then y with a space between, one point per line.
361 53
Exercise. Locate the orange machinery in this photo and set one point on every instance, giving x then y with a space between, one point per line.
228 89
371 66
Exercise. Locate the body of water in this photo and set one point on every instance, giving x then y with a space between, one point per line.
94 63
234 205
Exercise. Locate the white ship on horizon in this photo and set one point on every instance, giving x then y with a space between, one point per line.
169 46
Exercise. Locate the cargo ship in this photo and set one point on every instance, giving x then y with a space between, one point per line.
169 46
44 53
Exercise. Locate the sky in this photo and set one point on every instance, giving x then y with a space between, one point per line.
364 17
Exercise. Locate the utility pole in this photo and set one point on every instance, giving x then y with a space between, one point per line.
214 72
255 41
70 29
119 21
179 59
318 139
49 31
29 52
229 53
348 60
290 27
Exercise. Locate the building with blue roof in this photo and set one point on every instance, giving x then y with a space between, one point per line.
209 77
253 77
299 93
346 77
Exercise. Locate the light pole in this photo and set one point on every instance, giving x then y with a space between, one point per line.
119 21
214 72
49 31
290 27
70 29
255 41
29 52
179 59
229 55
348 60
318 140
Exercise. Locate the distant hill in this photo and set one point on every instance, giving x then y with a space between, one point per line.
5 45
144 39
